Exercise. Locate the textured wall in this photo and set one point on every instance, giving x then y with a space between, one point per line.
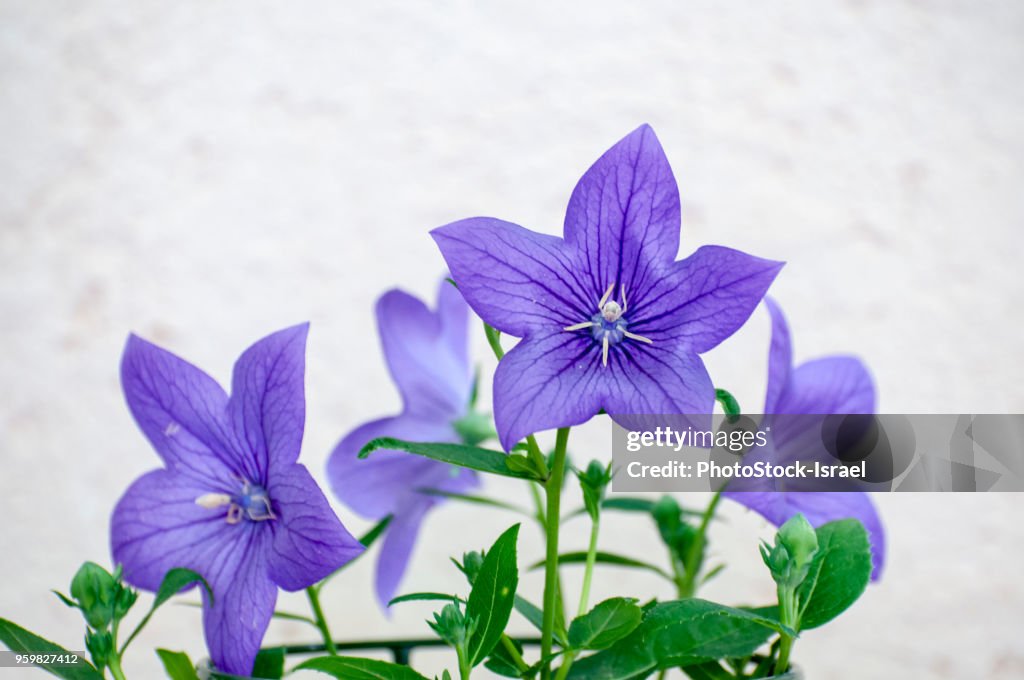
206 172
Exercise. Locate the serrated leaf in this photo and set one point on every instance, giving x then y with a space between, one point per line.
839 572
674 634
355 668
607 558
22 641
177 665
472 457
491 600
605 624
425 597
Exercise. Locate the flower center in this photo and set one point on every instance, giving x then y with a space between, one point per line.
251 503
608 326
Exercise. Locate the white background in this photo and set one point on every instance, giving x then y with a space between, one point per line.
208 172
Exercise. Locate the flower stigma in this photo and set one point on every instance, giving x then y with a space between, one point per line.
608 326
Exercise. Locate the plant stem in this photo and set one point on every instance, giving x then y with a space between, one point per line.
321 622
589 569
114 662
514 654
554 496
464 668
787 615
695 557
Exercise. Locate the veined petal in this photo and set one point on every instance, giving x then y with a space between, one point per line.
381 484
820 507
517 280
425 355
623 215
651 380
833 384
180 409
546 382
780 357
702 300
268 402
310 541
243 599
157 526
396 549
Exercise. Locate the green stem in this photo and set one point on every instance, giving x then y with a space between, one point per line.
554 495
464 668
589 569
538 504
114 662
321 622
695 557
514 654
787 615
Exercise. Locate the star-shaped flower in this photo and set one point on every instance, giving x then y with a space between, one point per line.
609 319
427 354
829 385
232 504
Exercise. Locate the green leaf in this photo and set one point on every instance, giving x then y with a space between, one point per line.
177 580
418 597
477 500
355 668
177 665
491 600
628 504
502 663
605 624
606 558
472 457
269 663
535 615
22 641
676 634
839 573
371 536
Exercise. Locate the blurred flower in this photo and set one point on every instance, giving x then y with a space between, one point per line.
427 355
232 503
609 319
829 385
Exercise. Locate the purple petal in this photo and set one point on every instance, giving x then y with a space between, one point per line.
780 357
515 279
157 526
268 403
700 301
835 384
396 549
426 352
243 599
820 508
623 215
546 382
180 409
381 484
310 541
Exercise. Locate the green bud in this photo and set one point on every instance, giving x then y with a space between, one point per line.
96 592
124 600
593 482
452 625
800 540
99 644
471 563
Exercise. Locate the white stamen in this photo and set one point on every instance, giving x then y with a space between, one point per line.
625 305
211 501
638 337
579 326
604 298
604 351
234 514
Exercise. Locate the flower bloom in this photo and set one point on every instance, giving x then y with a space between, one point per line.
609 319
829 385
427 354
231 504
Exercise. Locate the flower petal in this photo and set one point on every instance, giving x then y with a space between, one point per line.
243 600
546 382
157 526
623 215
834 384
425 356
517 280
780 356
268 403
310 541
703 299
396 549
381 484
820 508
180 409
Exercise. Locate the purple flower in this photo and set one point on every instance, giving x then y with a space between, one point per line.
427 355
609 319
829 385
232 503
